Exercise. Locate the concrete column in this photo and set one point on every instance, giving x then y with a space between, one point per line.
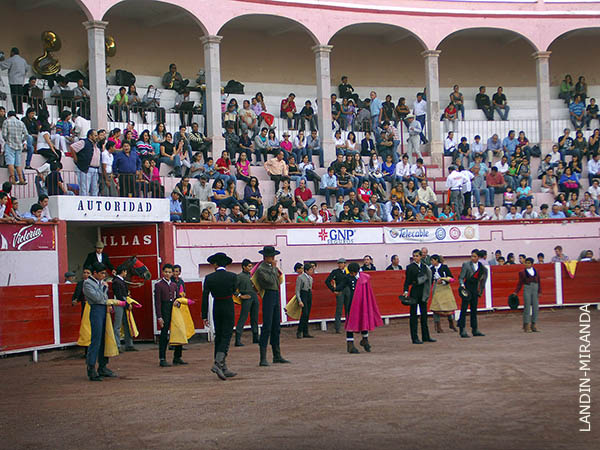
432 82
322 53
212 68
97 73
542 69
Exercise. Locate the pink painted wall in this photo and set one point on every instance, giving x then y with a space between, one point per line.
194 243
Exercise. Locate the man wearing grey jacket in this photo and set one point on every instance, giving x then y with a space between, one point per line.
418 280
95 291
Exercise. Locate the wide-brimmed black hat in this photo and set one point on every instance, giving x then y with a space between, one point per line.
220 259
463 292
513 301
269 250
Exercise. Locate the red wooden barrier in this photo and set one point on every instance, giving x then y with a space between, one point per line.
193 290
26 318
505 278
70 316
585 287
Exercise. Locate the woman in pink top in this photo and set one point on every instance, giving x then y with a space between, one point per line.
243 168
115 136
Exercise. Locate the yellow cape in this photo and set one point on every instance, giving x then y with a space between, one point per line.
570 266
293 308
182 325
85 333
133 330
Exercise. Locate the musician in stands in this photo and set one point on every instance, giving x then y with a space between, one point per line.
173 79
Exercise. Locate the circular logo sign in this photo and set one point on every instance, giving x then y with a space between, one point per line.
440 234
394 233
454 233
469 232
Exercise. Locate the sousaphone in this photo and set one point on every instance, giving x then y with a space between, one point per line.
47 65
110 48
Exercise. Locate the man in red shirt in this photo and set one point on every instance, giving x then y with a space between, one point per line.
496 180
288 111
304 196
364 193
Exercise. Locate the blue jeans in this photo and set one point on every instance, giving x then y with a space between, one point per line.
88 182
226 178
502 112
175 163
299 154
422 119
316 151
395 151
374 122
98 324
328 193
488 193
29 150
297 178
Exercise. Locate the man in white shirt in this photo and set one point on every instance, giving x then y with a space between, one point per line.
427 197
202 191
477 148
594 191
466 188
108 186
80 125
513 214
17 72
454 183
529 213
497 215
450 144
481 214
415 130
420 112
403 169
593 167
393 203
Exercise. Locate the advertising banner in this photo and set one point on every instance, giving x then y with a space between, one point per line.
26 237
441 233
334 236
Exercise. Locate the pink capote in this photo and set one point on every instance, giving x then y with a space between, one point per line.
364 313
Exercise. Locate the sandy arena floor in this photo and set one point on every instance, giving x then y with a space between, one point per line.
508 390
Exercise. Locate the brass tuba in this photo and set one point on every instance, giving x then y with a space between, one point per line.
110 47
47 65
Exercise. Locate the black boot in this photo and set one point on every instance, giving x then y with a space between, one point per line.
105 372
476 332
277 358
179 362
364 343
350 347
238 339
228 373
263 357
92 374
464 334
255 339
218 365
298 334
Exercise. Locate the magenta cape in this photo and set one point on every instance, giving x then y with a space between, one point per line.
364 313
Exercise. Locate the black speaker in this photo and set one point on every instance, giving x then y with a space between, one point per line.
191 210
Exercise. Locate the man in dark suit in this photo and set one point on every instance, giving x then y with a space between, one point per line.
120 291
221 284
418 280
165 298
472 279
98 256
337 283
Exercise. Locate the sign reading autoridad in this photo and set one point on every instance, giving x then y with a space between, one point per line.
441 233
14 237
110 209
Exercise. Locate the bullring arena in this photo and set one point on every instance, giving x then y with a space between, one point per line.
99 207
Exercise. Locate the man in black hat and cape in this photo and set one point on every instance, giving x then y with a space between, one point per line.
221 284
266 278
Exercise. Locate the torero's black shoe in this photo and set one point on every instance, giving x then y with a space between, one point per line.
179 362
364 343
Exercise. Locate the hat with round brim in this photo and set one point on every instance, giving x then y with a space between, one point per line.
99 244
463 292
269 250
410 116
220 259
513 301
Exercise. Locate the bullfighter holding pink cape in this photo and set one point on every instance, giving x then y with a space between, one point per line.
364 314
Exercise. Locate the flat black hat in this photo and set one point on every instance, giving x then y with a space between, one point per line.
269 250
220 259
513 301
